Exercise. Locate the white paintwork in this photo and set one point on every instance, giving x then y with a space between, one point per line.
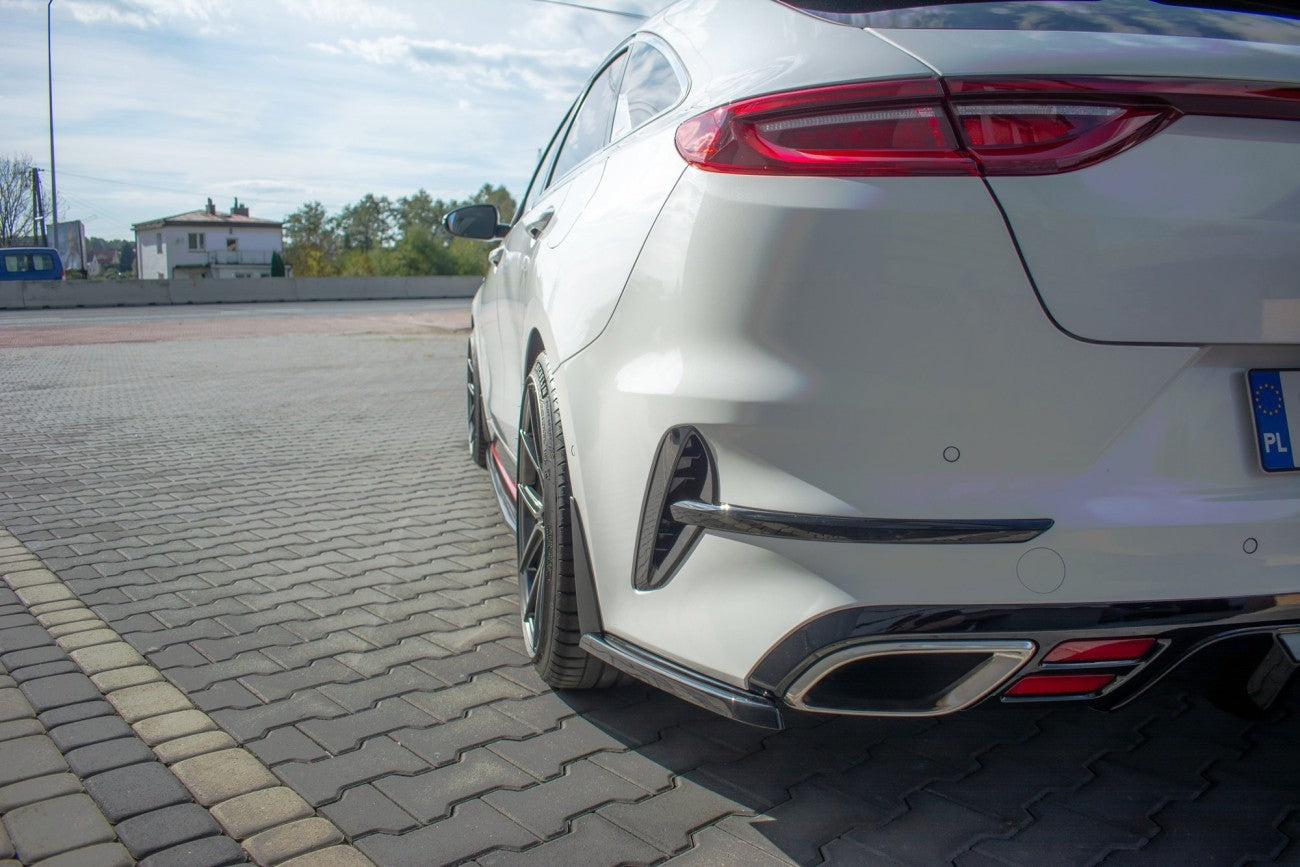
831 338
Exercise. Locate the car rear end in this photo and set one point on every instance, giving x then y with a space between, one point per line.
977 380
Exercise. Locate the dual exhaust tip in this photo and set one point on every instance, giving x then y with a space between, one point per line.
933 678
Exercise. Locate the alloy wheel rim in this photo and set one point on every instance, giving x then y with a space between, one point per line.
532 533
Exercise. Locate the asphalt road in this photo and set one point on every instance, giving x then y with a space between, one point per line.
273 505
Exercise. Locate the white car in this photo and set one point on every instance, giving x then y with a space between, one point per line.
887 358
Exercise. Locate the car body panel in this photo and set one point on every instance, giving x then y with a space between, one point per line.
797 410
887 348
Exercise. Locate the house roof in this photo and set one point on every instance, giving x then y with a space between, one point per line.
207 218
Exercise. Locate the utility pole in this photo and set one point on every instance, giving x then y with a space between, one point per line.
49 59
38 210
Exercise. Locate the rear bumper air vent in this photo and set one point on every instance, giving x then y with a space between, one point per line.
682 470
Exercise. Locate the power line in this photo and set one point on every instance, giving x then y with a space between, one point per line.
129 184
636 15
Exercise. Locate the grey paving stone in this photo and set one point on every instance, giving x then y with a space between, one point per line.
547 808
365 810
166 828
55 826
347 732
375 662
441 744
323 780
60 690
35 790
220 776
48 669
76 713
282 684
286 745
98 855
430 795
474 828
136 789
227 694
170 752
97 758
21 659
366 693
1061 837
933 830
246 725
20 728
250 814
207 852
14 705
667 819
28 757
456 701
713 847
70 736
281 843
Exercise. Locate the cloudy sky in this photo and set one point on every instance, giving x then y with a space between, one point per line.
159 104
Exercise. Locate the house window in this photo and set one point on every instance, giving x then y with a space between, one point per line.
232 244
157 240
198 241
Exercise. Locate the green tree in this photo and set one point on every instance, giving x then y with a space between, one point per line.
311 241
277 265
126 258
367 224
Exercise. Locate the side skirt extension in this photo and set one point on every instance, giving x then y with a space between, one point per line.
713 695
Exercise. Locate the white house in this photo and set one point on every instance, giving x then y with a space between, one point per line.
206 243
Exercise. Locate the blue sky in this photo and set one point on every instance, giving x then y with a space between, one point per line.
159 104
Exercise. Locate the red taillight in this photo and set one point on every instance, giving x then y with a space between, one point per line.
888 128
1043 685
1119 650
991 126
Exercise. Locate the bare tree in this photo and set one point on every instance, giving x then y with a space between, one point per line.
16 198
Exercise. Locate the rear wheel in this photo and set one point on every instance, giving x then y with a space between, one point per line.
478 444
548 600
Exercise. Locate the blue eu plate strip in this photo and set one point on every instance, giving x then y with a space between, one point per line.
1275 399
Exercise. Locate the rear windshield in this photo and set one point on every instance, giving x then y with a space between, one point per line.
1246 20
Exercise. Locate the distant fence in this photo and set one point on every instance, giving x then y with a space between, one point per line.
20 295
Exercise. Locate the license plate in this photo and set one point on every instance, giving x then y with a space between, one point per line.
1275 399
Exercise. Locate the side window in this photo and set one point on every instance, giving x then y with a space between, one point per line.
650 87
536 185
590 130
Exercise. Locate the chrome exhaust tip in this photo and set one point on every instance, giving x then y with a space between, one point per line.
907 678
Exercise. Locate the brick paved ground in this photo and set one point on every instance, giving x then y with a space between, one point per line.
289 529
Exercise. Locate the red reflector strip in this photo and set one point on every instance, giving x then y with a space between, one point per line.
504 474
1102 650
1060 684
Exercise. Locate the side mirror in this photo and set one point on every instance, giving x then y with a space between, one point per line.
479 222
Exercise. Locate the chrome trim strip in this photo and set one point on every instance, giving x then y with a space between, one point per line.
727 518
1005 659
712 695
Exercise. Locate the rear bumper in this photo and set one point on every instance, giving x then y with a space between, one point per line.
1004 644
1181 629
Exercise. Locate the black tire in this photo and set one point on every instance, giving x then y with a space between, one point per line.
548 600
478 444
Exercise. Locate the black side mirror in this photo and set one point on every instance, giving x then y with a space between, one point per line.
479 222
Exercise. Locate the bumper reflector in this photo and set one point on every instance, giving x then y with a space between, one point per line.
1042 685
1102 650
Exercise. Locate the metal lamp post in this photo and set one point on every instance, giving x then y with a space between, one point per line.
49 57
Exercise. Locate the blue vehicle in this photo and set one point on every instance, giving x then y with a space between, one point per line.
30 263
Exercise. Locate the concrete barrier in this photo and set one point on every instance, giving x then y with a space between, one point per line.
133 293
